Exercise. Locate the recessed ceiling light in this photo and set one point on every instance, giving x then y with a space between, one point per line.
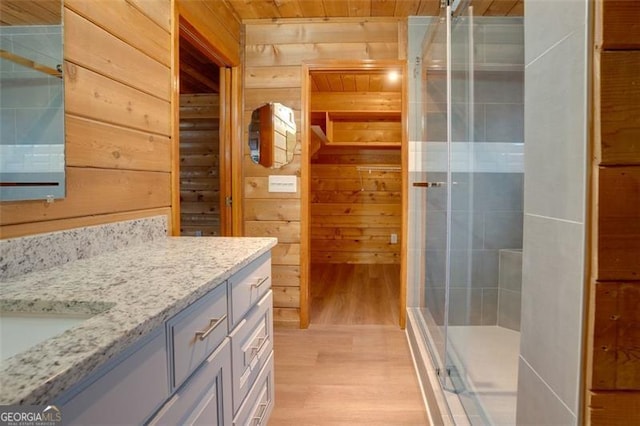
393 76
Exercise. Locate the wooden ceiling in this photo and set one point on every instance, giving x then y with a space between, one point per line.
273 9
48 12
198 73
30 12
345 81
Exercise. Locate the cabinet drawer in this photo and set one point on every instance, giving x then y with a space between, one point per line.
248 285
204 397
195 333
106 396
257 408
251 345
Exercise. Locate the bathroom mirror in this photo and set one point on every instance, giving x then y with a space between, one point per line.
272 135
31 100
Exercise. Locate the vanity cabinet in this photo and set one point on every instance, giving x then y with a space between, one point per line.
194 333
251 345
126 390
211 363
258 405
248 286
205 397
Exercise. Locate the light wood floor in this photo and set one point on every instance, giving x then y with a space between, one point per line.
345 375
353 365
355 294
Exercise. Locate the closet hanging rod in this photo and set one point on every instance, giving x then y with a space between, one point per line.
379 168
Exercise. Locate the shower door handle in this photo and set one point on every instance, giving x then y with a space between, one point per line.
429 184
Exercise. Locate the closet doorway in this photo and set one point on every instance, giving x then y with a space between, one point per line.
353 194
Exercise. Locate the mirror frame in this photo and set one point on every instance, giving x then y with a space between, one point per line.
272 135
36 170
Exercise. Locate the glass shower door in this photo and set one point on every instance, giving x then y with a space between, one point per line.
433 189
470 209
464 299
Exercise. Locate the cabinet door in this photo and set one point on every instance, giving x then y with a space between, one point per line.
204 399
126 391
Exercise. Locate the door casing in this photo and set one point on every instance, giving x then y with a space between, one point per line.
305 231
230 130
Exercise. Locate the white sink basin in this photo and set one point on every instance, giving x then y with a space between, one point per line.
20 331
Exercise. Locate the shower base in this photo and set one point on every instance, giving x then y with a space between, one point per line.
488 365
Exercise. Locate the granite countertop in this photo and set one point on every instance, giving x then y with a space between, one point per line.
131 291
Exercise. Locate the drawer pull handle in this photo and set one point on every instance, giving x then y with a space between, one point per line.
213 323
260 282
257 420
257 348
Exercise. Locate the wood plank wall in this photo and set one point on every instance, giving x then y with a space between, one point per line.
274 52
613 396
118 116
200 165
354 213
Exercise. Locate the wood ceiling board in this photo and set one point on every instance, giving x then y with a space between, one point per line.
336 8
407 8
267 8
501 7
243 9
518 9
429 8
275 9
312 9
321 82
376 83
320 32
383 7
349 81
193 80
362 82
359 8
480 7
335 83
290 8
198 73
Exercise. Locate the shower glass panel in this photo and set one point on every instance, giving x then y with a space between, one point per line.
468 199
433 189
465 297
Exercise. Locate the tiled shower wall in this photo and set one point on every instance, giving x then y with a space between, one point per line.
487 196
486 218
558 47
510 289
